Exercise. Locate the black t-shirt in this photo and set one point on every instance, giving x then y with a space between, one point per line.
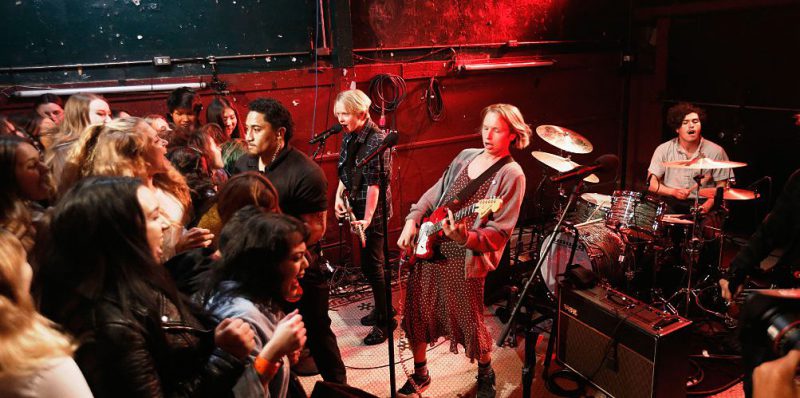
301 183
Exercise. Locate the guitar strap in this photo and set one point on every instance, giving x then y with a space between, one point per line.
473 185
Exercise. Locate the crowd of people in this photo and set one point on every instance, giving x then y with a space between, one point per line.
163 256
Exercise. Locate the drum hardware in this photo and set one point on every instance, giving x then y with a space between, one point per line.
561 164
531 331
636 214
564 139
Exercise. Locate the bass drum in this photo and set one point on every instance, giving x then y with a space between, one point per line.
598 249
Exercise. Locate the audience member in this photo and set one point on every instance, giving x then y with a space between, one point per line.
35 358
255 275
50 106
102 282
183 108
24 182
80 111
222 112
159 124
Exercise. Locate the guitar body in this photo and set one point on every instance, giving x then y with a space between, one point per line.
427 238
357 230
430 231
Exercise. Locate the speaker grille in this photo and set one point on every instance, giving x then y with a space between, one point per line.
583 351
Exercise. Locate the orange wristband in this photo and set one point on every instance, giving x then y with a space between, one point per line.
265 367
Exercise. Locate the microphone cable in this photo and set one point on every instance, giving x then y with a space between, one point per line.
434 100
388 91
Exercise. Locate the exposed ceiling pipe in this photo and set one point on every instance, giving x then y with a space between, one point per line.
109 90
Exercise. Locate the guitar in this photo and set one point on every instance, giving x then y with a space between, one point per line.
430 232
349 216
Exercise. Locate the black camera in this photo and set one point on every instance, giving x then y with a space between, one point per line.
770 328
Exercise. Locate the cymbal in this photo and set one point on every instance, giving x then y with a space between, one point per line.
561 164
564 139
599 199
703 164
729 193
682 219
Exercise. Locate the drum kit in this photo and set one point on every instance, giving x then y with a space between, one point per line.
630 239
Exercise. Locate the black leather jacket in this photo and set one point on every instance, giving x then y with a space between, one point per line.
149 355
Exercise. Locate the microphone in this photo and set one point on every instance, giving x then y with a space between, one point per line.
607 162
335 129
388 142
758 182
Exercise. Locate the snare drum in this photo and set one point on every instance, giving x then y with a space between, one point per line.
636 214
597 249
591 206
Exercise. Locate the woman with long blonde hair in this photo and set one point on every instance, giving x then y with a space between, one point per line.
80 111
130 147
35 358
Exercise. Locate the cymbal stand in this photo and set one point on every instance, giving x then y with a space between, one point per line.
692 250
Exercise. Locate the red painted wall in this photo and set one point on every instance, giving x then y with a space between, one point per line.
581 91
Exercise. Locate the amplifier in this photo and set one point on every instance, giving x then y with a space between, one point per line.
620 345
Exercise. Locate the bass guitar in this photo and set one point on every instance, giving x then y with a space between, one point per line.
349 216
430 232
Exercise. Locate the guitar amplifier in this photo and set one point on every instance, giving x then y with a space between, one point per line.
620 345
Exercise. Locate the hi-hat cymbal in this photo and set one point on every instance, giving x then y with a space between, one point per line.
677 219
729 193
561 164
564 139
703 164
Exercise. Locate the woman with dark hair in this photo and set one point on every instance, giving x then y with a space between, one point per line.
222 112
257 273
183 108
32 127
102 282
196 156
248 188
24 182
50 106
244 189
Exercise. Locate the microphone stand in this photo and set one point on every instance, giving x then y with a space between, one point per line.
530 342
387 274
320 147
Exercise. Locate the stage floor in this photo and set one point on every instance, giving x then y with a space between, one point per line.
453 375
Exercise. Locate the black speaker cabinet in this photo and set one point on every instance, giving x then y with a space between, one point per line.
622 346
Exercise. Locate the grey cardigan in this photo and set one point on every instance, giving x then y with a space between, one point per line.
485 240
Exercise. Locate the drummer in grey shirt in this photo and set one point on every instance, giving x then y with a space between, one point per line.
686 119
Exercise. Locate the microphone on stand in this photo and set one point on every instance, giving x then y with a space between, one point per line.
388 142
607 162
335 129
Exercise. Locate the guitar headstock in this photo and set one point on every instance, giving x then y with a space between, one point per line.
489 205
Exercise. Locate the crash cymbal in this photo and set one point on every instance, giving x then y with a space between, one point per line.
561 164
703 164
564 139
729 193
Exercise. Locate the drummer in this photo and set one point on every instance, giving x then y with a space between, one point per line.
678 185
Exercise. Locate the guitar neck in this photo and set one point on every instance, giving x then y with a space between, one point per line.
457 216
